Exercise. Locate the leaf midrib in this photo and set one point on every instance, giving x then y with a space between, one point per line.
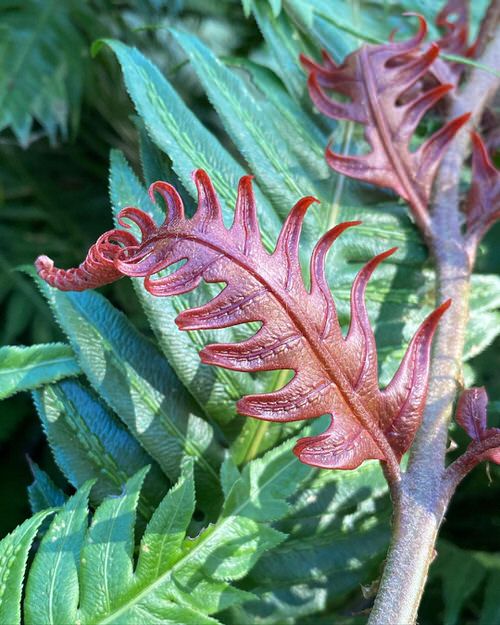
383 127
333 371
39 365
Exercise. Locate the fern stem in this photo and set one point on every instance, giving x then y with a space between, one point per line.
425 490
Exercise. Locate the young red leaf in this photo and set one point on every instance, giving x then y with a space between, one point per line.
98 268
483 201
471 415
300 331
377 81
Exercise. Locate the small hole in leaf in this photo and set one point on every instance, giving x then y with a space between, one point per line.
198 515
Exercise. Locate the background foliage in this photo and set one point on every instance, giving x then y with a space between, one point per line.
175 86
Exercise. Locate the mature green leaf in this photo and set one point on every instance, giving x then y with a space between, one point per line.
292 123
87 440
43 493
176 131
349 25
130 374
249 122
52 588
285 43
42 60
338 527
177 579
27 368
14 550
484 322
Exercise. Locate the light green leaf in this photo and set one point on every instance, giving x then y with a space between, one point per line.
249 123
167 528
14 549
229 474
292 122
52 588
106 561
285 43
176 131
338 532
27 368
177 576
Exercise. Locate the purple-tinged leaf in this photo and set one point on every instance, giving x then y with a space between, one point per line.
483 202
471 415
378 85
96 270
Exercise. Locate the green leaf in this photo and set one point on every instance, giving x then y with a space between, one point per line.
250 125
178 578
229 474
285 43
134 379
338 532
106 569
176 131
52 587
42 61
167 528
43 493
292 122
27 368
14 549
87 440
484 321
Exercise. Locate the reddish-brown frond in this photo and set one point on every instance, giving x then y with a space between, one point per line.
376 82
300 331
453 20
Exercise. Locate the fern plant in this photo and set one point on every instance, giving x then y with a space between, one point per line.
225 530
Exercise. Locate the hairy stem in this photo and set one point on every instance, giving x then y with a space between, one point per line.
425 490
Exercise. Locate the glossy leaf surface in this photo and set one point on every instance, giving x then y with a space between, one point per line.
300 329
